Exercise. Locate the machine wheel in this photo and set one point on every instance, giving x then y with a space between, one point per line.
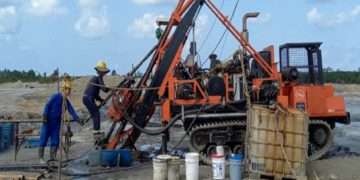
320 139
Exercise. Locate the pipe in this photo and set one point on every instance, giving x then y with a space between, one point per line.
245 18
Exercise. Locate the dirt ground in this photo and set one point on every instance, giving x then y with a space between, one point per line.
26 101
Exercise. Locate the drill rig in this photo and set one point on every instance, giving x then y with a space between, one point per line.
212 102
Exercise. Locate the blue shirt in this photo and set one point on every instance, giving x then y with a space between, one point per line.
92 90
53 109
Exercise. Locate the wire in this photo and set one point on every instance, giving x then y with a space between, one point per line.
164 129
210 30
187 130
224 43
224 33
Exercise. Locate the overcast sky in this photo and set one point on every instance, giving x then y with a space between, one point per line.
75 34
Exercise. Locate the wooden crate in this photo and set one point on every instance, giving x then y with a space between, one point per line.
259 176
277 142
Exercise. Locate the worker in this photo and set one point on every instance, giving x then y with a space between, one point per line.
52 116
92 94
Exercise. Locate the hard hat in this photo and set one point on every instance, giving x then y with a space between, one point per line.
66 83
101 66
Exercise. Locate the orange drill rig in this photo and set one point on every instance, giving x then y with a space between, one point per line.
212 102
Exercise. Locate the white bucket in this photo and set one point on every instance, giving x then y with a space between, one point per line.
174 168
160 167
220 150
218 166
192 166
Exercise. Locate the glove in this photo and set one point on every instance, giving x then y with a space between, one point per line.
45 119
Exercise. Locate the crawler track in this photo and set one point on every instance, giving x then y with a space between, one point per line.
204 137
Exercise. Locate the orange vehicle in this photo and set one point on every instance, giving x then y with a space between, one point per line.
212 102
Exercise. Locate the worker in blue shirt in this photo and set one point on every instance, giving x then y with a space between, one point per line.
52 117
92 95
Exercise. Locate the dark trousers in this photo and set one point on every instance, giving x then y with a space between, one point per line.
91 106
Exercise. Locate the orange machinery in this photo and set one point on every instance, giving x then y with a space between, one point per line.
211 102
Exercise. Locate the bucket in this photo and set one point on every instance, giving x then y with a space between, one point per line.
126 158
94 158
220 150
7 134
109 158
218 166
160 171
192 166
235 162
174 168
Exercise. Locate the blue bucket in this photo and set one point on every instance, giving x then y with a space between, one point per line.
109 158
7 133
236 166
126 158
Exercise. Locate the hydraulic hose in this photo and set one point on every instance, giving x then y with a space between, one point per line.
100 171
169 125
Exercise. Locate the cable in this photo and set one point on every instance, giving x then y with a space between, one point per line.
210 30
162 130
187 130
99 171
224 43
224 33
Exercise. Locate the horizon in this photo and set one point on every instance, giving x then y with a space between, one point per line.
74 35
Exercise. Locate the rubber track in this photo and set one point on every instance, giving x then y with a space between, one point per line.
318 154
212 125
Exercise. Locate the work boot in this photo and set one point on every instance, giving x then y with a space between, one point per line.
41 155
53 151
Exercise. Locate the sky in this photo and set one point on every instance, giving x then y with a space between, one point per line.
74 34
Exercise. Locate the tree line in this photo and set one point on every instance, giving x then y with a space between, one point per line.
342 77
31 75
6 75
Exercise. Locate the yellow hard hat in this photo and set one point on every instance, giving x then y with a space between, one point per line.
101 66
66 83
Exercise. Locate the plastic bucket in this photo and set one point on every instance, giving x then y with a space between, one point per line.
220 150
160 171
7 134
218 166
126 158
109 158
192 166
174 168
235 162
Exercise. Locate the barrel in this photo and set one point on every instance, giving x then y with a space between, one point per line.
126 158
7 135
192 166
1 143
218 166
109 158
174 168
235 166
160 167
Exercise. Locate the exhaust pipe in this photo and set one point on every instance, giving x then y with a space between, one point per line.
245 18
